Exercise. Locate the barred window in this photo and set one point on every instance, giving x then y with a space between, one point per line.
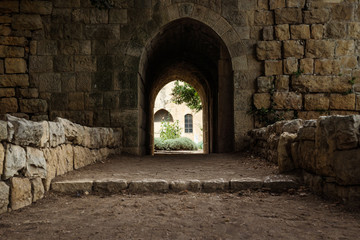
188 123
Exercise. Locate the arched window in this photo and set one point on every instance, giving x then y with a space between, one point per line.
188 123
163 115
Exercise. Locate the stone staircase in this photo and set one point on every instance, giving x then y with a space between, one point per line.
273 183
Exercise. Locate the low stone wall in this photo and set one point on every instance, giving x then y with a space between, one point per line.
33 153
326 149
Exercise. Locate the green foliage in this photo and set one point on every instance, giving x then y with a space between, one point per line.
200 145
182 143
185 93
352 81
298 73
170 130
102 4
348 92
266 115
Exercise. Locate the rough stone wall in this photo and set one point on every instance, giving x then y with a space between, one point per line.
69 59
33 153
310 53
326 149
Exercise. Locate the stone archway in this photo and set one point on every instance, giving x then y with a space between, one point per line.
191 51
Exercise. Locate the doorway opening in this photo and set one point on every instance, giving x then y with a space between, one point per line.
178 119
191 51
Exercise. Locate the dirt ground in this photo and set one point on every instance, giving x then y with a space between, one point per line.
174 167
244 215
249 215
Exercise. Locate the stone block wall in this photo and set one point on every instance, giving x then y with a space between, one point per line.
326 149
310 54
33 153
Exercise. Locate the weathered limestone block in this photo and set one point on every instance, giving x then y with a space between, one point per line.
65 157
82 157
317 31
215 185
7 92
300 31
15 161
14 80
35 162
189 185
149 185
8 105
51 156
57 134
13 41
38 64
27 22
110 185
282 83
274 4
332 133
288 16
2 158
327 67
3 130
29 93
312 83
15 65
292 126
344 47
264 84
27 133
320 48
273 67
348 62
264 18
295 3
73 132
262 100
285 161
347 166
336 30
280 183
342 12
342 102
4 197
314 182
268 50
306 156
9 7
307 132
11 51
290 65
118 16
307 65
20 193
37 7
316 102
33 105
246 184
320 15
293 48
73 186
38 189
354 30
268 33
287 100
282 32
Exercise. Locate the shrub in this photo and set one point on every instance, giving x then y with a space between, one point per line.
181 143
170 130
200 145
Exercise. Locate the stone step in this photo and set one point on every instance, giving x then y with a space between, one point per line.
274 183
